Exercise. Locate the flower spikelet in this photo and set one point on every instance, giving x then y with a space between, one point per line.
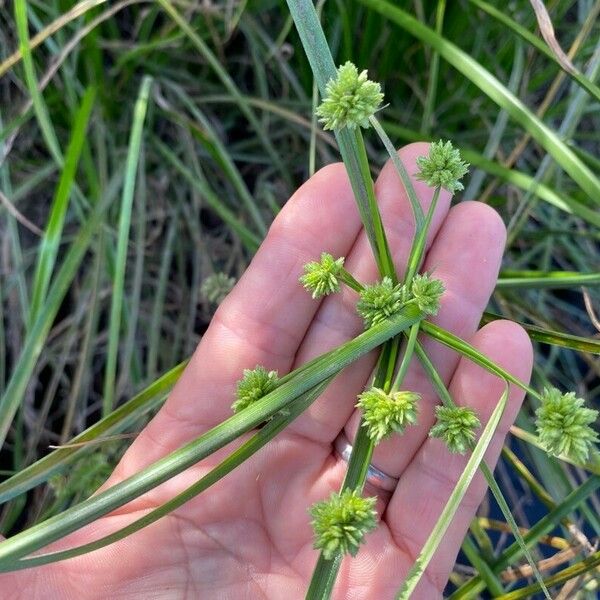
442 167
385 414
255 384
322 278
563 425
341 522
427 292
350 99
380 301
216 286
456 426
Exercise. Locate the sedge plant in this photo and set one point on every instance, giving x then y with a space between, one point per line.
395 311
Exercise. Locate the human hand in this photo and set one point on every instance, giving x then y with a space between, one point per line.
249 535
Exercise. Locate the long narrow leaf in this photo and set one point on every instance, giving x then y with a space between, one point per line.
53 233
116 422
458 493
164 469
497 92
350 143
116 307
277 424
23 368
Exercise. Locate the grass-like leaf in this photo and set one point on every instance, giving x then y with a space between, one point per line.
116 422
307 377
437 534
116 307
235 459
496 91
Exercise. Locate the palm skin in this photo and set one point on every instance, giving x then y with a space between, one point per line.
249 536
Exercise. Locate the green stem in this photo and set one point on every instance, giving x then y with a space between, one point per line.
350 143
402 173
381 250
434 67
418 246
178 461
544 526
462 347
235 459
325 572
406 359
349 280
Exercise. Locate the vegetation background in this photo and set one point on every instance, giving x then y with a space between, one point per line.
111 220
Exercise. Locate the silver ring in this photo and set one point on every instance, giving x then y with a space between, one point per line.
375 476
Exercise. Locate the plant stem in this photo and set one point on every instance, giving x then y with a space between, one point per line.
418 246
406 359
236 458
349 280
178 461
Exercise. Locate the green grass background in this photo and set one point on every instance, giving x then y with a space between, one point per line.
145 146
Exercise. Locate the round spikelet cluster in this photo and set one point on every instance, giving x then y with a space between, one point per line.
255 384
380 301
427 292
563 425
384 414
216 286
456 426
341 522
350 99
442 167
322 278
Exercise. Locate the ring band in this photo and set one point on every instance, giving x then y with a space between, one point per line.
375 476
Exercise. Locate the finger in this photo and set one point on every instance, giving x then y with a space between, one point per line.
337 320
264 318
427 483
466 256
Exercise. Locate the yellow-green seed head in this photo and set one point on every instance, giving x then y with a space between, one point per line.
384 414
322 278
456 426
563 425
351 98
341 522
216 286
427 293
255 384
442 167
380 301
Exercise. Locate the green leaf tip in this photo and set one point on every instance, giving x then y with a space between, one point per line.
456 426
380 301
384 414
563 425
442 167
216 287
323 278
427 293
351 98
255 384
341 522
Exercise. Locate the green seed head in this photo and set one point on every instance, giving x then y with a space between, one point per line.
255 384
380 301
442 167
384 414
427 292
563 425
341 522
215 287
322 278
350 99
456 425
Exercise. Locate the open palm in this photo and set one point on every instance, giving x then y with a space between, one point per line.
249 536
